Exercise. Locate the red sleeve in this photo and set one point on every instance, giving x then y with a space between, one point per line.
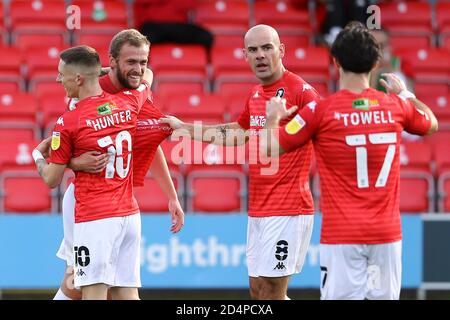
244 118
416 121
62 140
300 129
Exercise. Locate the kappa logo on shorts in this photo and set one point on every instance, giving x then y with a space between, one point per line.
81 256
281 254
80 273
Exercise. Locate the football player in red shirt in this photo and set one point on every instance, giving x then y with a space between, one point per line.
356 134
107 221
280 203
127 68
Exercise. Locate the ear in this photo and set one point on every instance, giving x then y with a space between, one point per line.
112 62
79 79
282 50
336 64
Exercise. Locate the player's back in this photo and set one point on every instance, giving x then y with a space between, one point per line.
104 123
357 147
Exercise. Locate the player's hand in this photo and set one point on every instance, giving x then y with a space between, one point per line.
91 162
44 147
393 84
172 121
276 111
177 215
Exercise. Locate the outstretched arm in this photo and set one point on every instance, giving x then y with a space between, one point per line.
226 134
160 172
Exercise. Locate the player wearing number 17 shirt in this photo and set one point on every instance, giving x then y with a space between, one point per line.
356 134
107 221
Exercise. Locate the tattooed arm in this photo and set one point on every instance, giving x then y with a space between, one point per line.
227 134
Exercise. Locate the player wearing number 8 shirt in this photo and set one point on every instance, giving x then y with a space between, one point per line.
356 134
107 221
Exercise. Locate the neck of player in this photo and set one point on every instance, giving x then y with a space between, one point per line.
353 82
90 89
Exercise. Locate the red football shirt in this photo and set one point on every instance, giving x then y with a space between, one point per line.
284 190
356 140
104 123
149 134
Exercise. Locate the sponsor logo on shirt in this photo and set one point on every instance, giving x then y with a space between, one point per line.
60 121
106 108
364 103
295 125
56 140
257 121
256 95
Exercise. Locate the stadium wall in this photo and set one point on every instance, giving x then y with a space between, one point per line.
208 253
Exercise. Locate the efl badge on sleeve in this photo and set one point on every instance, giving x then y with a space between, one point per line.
56 140
295 125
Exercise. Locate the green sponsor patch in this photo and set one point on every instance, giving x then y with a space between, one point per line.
104 109
362 104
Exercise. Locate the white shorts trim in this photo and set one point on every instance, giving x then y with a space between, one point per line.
65 251
358 271
108 251
277 245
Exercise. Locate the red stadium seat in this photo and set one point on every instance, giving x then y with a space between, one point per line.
26 41
18 107
151 198
416 192
437 138
42 63
442 15
219 191
52 107
47 88
442 157
10 65
93 40
166 88
427 65
229 65
181 63
227 40
107 17
17 155
18 131
228 89
430 90
444 192
25 192
47 16
401 41
312 63
192 107
11 87
285 18
235 105
223 17
406 14
441 108
415 156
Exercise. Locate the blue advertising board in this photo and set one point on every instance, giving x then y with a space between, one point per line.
208 253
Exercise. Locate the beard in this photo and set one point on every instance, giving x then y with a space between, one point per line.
124 80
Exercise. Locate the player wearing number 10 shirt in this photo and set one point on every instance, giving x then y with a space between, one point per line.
107 223
356 135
